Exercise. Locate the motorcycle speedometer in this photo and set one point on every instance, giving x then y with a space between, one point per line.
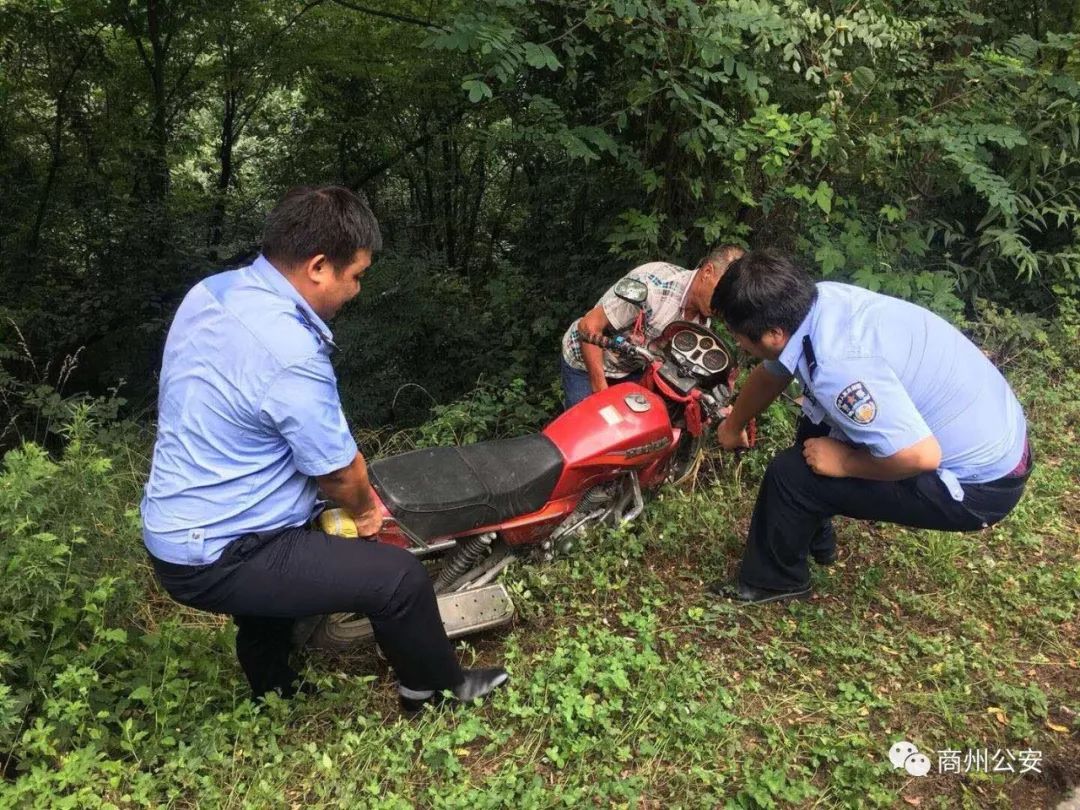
714 360
684 341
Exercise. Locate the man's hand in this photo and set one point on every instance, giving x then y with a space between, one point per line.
730 437
760 389
827 456
368 523
589 333
349 488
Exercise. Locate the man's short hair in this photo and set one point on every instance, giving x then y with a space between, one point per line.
721 255
309 220
761 291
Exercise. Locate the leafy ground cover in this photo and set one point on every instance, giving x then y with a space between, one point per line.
630 686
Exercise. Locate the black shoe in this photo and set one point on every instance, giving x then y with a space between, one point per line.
478 683
749 595
826 557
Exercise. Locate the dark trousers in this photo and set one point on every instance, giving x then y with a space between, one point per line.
265 581
794 507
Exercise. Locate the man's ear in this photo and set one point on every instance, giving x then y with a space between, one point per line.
777 336
315 267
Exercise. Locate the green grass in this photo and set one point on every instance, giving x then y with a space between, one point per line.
630 687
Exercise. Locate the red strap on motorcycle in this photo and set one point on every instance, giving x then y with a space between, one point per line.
692 401
638 331
751 426
693 417
647 379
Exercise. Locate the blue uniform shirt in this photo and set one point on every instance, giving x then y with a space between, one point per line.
248 412
890 373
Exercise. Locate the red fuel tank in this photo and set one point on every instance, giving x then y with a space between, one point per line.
624 426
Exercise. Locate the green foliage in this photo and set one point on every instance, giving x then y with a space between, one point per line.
917 151
63 597
447 340
34 405
520 156
490 412
629 685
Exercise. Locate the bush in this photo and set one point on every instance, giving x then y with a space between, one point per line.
67 563
491 412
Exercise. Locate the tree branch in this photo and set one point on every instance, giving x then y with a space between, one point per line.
408 149
389 15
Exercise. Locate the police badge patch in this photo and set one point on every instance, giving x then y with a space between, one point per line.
856 403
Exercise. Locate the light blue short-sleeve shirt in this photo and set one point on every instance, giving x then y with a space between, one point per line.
248 413
890 373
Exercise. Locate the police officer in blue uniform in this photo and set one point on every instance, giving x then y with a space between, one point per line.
904 420
251 430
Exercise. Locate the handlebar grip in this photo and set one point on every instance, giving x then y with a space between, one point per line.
616 344
596 340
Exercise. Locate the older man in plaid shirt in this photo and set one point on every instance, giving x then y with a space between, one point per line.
674 293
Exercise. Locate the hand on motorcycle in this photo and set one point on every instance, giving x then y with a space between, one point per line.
368 523
728 435
827 456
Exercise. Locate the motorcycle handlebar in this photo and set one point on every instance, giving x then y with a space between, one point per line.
712 408
619 345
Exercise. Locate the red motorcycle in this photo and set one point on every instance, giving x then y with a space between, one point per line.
474 510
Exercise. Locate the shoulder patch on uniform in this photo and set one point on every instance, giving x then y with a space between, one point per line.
857 404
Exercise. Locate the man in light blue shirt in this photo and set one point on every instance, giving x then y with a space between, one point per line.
251 430
248 417
904 420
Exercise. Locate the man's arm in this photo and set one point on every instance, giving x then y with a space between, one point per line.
304 408
593 325
349 487
837 459
759 391
887 437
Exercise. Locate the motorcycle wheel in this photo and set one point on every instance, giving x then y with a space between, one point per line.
686 460
341 632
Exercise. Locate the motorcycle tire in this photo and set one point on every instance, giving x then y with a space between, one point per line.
341 632
686 460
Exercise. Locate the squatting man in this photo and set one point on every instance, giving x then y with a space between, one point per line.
250 431
904 420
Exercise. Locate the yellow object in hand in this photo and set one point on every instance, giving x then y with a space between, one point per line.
338 522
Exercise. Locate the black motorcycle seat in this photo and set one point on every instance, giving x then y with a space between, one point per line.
443 491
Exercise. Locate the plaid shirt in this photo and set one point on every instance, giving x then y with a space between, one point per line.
668 287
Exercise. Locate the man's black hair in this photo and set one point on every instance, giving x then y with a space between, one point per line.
761 291
310 220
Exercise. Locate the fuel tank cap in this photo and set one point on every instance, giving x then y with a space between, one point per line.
638 403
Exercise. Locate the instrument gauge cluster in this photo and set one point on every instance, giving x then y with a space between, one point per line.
700 352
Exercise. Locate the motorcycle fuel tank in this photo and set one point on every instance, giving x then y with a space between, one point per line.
624 426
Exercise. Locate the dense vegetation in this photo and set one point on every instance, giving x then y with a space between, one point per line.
630 686
520 156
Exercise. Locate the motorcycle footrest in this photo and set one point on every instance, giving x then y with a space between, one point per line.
466 612
462 613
